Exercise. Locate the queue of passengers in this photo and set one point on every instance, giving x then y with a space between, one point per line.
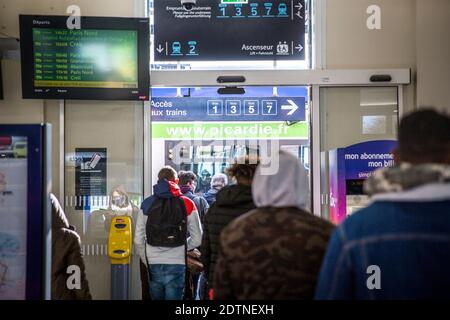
259 241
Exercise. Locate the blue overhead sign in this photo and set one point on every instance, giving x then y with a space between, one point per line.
229 109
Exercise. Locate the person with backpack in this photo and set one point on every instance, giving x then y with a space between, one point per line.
164 223
187 182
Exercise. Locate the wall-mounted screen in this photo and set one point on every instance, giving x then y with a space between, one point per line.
236 30
107 59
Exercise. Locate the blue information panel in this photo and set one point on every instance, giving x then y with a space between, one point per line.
219 30
26 220
230 109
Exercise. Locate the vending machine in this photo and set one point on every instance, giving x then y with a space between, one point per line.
349 168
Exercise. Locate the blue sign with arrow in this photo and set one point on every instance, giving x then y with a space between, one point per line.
229 109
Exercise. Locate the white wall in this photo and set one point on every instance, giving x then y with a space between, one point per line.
13 109
350 44
433 53
414 34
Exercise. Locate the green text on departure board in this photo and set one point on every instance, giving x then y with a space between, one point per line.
85 58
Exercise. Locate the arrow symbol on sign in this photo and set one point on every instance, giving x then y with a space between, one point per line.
160 48
299 6
299 47
292 106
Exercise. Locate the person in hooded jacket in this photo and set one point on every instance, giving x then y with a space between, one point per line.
218 181
231 202
398 248
275 251
187 182
167 265
66 252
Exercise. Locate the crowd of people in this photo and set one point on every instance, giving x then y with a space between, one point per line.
254 237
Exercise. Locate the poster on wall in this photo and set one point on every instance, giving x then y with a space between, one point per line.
13 212
349 168
90 173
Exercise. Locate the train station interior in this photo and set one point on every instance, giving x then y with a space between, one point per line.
97 97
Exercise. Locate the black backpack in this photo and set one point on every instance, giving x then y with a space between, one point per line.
167 223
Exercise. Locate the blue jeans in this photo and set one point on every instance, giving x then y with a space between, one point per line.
167 281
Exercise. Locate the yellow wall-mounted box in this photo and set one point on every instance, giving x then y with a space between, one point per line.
120 240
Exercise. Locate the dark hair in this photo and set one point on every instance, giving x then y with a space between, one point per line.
167 173
185 177
424 136
243 169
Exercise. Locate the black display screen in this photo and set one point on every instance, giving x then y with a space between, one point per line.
107 59
230 30
355 187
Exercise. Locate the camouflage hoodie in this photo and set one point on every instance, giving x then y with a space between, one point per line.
276 250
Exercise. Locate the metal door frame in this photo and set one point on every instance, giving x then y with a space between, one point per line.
315 79
317 197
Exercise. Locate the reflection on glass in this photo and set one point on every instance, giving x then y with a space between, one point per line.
117 192
374 124
350 116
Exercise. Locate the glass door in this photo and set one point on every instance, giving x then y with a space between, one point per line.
200 130
103 179
358 129
346 107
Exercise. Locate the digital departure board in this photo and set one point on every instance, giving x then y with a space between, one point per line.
108 58
230 30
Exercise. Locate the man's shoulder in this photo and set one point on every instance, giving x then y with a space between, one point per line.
375 218
373 212
204 201
147 204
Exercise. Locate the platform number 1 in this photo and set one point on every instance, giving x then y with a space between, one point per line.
215 107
